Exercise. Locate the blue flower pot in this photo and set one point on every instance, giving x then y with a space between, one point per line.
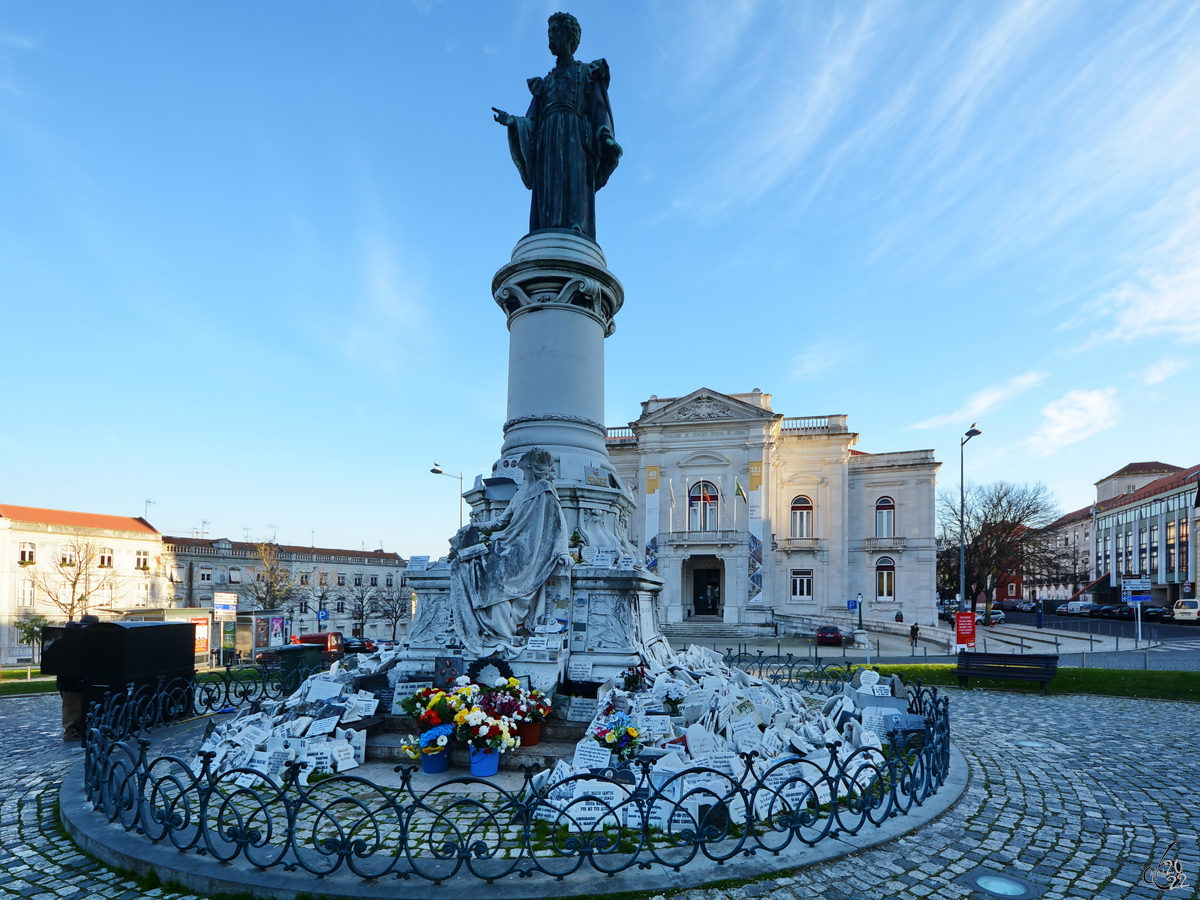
484 762
435 763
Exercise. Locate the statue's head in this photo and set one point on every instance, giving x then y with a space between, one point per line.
537 464
564 33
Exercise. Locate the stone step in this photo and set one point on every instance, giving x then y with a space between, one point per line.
386 748
702 632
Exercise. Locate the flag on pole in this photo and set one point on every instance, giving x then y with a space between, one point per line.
671 486
739 491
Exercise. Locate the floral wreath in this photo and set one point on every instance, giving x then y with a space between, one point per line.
479 665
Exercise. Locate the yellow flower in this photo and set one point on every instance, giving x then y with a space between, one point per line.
632 732
512 682
610 738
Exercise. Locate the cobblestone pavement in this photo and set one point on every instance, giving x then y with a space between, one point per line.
1083 815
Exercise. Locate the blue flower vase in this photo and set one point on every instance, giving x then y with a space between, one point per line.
484 762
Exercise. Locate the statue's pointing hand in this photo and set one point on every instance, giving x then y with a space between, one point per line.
504 118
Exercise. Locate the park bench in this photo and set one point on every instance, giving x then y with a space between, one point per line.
1025 667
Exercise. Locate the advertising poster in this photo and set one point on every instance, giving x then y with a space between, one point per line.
276 630
965 628
228 635
201 635
260 632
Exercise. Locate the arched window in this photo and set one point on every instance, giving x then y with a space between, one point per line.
702 507
802 518
885 517
885 578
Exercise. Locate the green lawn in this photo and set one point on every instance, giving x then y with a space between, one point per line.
18 673
1150 685
8 688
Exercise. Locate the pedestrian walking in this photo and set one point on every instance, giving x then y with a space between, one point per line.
914 635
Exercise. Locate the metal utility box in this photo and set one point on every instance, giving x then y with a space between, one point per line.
109 656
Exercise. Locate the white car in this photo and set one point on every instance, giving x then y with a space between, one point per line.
997 617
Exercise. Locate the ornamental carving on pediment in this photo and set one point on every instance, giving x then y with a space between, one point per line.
704 408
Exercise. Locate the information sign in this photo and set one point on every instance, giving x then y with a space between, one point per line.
225 606
964 628
852 605
322 614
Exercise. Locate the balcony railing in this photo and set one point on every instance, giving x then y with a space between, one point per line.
691 538
884 543
621 435
800 543
814 425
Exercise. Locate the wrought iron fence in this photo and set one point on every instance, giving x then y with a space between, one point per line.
606 822
810 675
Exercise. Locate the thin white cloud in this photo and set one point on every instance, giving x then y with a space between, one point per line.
1161 371
986 400
19 41
818 360
1075 416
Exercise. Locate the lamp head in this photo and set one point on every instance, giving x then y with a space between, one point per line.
437 470
860 598
973 431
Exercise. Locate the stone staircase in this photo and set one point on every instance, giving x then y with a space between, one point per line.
704 629
557 742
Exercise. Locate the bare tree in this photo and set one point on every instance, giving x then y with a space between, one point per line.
1004 527
360 601
79 578
393 605
275 584
323 591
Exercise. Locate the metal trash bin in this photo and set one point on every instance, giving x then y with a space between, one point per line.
297 662
109 657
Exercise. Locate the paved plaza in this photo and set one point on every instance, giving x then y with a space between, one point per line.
1084 815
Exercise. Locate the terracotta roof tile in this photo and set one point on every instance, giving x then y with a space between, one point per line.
75 519
1160 486
286 548
1142 468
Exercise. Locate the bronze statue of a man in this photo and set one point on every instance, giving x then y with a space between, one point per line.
564 146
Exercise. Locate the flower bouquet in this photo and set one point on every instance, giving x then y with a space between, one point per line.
434 711
487 724
536 706
617 733
673 697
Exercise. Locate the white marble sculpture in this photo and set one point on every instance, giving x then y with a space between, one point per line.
500 566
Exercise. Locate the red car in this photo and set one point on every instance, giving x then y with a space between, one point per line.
830 634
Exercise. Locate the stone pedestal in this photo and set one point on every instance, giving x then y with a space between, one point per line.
560 300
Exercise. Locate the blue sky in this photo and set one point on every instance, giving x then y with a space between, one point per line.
246 249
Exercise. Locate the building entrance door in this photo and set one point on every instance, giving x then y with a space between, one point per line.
706 592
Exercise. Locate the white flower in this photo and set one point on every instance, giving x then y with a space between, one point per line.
442 741
501 682
476 716
462 681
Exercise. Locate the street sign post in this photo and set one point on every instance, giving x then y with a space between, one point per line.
225 606
1136 591
964 629
852 605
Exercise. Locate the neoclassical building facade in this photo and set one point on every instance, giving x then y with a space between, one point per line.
754 518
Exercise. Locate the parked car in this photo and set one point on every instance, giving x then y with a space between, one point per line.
830 634
1027 606
385 645
1064 610
358 645
1124 611
1090 609
1156 613
1187 611
996 619
1104 610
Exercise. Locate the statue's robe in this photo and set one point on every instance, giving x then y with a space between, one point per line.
494 592
559 146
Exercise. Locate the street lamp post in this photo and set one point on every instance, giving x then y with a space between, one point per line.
962 525
860 624
437 470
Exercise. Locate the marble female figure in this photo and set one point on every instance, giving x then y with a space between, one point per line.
501 566
564 146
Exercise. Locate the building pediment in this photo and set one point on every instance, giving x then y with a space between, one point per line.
705 406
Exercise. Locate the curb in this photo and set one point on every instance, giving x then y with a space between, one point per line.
114 846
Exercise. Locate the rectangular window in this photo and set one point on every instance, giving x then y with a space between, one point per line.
388 581
66 555
1012 589
25 593
142 560
885 584
1129 551
802 523
358 579
1170 545
235 575
324 579
341 606
802 584
374 581
1143 549
142 595
341 580
304 608
106 558
1153 551
304 580
28 554
1119 557
1183 545
206 574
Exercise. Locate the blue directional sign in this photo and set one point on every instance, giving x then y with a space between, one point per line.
1135 590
